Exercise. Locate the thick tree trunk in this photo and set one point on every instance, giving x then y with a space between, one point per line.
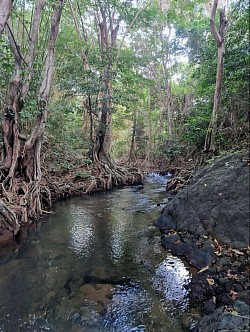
103 136
32 150
22 165
107 40
219 38
17 92
5 7
10 130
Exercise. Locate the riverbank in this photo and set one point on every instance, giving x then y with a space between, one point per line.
65 183
207 223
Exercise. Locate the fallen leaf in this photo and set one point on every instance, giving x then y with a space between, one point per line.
210 281
204 269
171 232
235 313
230 275
237 252
233 295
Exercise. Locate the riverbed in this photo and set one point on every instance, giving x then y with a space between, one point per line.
96 264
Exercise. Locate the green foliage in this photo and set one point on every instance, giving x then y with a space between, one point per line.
6 65
196 124
138 79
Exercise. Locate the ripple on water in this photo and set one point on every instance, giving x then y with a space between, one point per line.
170 280
81 231
130 304
97 265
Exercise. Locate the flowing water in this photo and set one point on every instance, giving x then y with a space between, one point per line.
96 264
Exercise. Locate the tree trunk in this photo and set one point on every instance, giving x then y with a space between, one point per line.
32 150
22 165
219 38
107 40
132 144
169 111
5 7
17 92
149 144
167 95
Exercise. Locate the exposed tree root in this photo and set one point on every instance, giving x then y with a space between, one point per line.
113 175
22 203
8 218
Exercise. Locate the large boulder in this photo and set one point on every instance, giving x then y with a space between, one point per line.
233 318
215 203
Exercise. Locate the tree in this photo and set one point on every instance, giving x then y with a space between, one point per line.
21 168
5 7
219 39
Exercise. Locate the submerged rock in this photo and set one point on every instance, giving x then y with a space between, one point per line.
215 203
138 187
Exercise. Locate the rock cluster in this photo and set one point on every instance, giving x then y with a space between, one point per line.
207 223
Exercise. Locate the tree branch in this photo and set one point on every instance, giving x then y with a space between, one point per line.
128 30
5 7
215 32
29 58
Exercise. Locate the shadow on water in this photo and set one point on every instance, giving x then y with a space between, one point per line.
97 264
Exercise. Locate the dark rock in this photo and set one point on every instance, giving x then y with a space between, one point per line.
200 290
171 238
234 319
201 258
209 307
187 240
244 296
224 299
216 203
229 286
239 288
177 246
184 249
137 188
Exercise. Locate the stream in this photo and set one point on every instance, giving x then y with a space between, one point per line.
96 264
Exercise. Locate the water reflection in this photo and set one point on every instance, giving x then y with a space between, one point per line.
81 230
171 280
117 229
127 310
96 265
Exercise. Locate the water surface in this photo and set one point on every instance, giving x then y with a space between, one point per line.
96 264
